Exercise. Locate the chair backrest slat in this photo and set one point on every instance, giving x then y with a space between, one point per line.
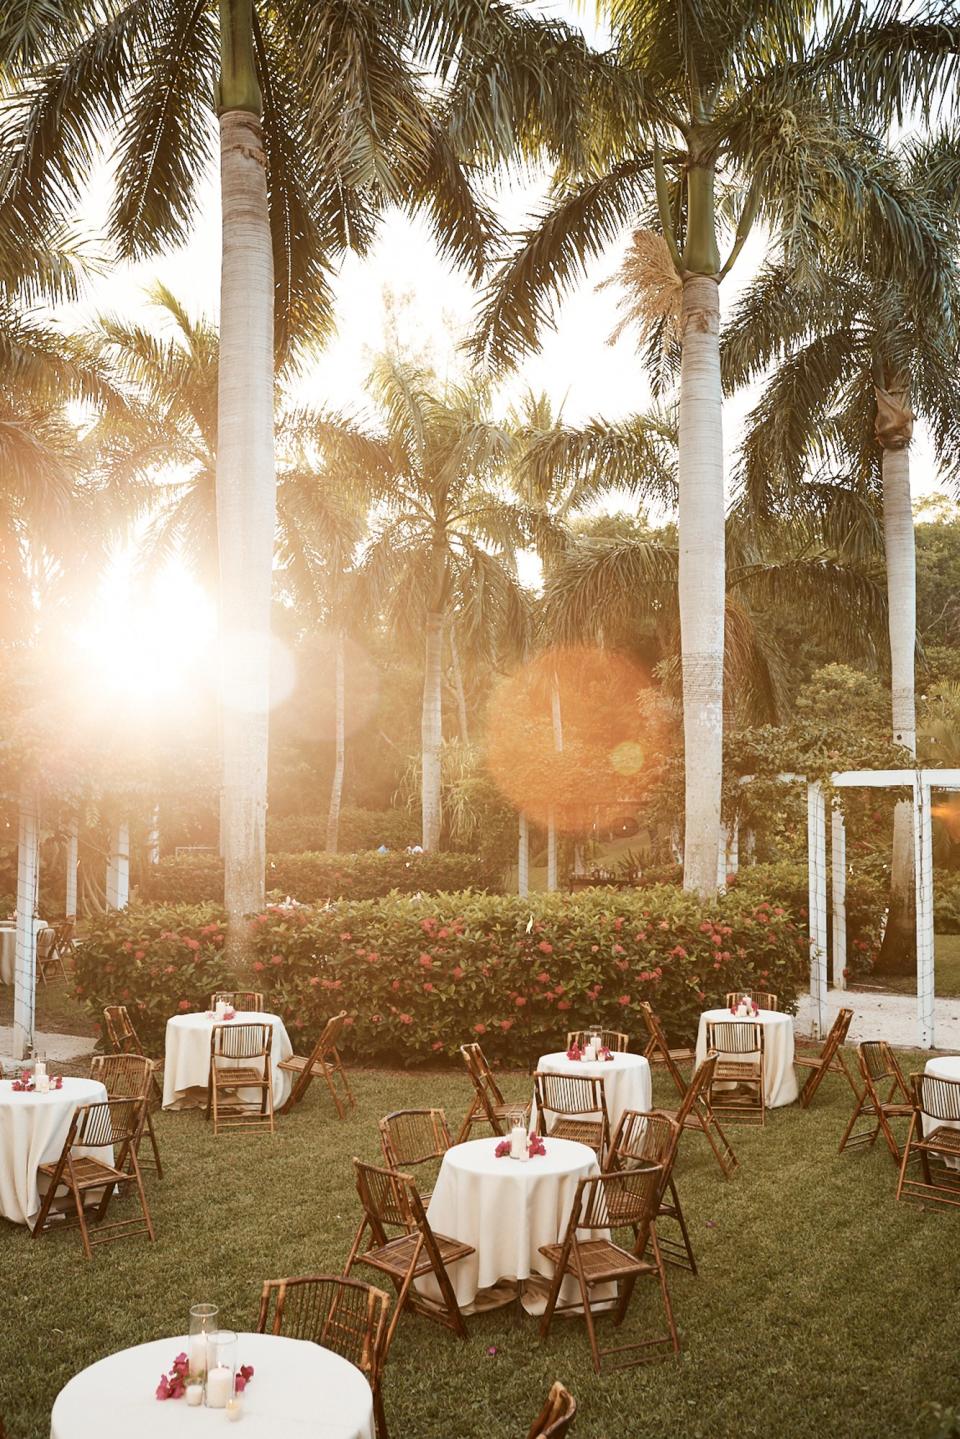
937 1096
613 1039
481 1075
735 1036
569 1093
697 1088
642 1138
241 1041
244 1000
344 1315
120 1030
124 1076
414 1136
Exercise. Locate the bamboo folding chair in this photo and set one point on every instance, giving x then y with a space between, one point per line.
413 1137
244 1001
323 1062
624 1198
939 1100
125 1040
613 1039
762 998
65 932
344 1315
49 959
828 1061
658 1050
739 1047
579 1102
489 1105
696 1112
556 1417
878 1065
130 1076
648 1138
240 1059
111 1124
391 1199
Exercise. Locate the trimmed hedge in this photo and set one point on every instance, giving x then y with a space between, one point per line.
360 829
316 878
421 976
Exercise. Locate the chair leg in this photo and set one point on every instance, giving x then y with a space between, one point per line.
341 1113
379 1417
665 1291
467 1124
847 1133
678 1215
587 1311
153 1144
906 1155
138 1179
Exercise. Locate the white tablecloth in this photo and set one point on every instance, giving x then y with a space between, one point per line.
298 1389
506 1209
32 1130
780 1079
626 1080
8 946
946 1067
186 1064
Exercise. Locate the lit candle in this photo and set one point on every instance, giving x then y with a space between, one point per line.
234 1409
518 1139
42 1082
198 1354
194 1395
219 1387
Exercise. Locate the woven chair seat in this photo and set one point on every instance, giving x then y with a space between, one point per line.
512 1112
943 1137
601 1260
679 1056
582 1131
89 1173
395 1257
297 1063
728 1069
238 1078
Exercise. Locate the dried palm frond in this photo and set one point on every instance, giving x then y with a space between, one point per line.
652 289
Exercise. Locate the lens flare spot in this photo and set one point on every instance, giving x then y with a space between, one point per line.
626 758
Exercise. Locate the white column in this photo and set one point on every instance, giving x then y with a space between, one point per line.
70 866
153 836
25 969
118 867
817 894
722 848
551 851
923 874
523 855
838 881
733 847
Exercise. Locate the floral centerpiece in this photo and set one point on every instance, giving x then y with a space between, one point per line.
535 1147
745 1007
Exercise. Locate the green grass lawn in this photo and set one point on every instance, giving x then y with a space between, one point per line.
823 1308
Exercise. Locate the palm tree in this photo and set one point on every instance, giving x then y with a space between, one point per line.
750 95
857 350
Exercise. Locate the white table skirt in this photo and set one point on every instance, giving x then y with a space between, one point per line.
298 1388
186 1064
33 1128
946 1067
506 1208
8 946
626 1080
780 1079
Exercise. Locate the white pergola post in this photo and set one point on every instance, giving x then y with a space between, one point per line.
817 899
523 855
70 866
551 852
722 848
25 965
118 866
153 836
923 873
733 847
838 884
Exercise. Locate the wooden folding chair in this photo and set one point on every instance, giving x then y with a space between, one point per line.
696 1113
240 1059
130 1076
828 1061
244 1001
323 1062
489 1105
606 1201
578 1103
414 1137
111 1124
737 1088
936 1104
65 932
125 1040
557 1415
878 1066
49 960
390 1198
642 1139
762 998
658 1050
613 1039
344 1315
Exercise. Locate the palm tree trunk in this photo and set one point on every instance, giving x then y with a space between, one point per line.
458 688
431 732
894 426
701 578
336 788
556 717
523 855
25 961
246 476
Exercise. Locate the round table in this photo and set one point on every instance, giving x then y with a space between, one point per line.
33 1128
8 946
626 1080
946 1067
186 1063
780 1081
298 1388
506 1208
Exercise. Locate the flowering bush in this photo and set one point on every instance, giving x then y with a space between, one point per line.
155 959
314 878
866 903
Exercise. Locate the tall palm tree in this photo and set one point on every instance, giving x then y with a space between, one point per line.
749 95
858 349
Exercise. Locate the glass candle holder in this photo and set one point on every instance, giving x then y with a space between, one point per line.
221 1367
203 1320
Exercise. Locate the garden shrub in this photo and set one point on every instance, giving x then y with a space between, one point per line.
315 878
360 829
422 975
866 903
946 903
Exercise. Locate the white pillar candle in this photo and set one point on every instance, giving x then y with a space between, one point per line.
517 1138
42 1083
198 1354
194 1395
219 1387
39 1069
234 1409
